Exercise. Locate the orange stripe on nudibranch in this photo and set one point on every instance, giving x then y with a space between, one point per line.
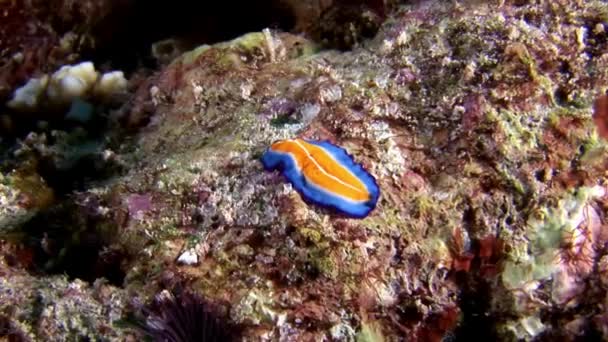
321 169
324 174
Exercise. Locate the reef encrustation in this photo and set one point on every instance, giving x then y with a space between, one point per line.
476 120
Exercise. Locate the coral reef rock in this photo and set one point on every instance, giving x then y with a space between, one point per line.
475 118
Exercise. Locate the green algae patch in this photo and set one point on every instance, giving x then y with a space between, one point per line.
522 130
192 55
319 252
370 332
33 187
251 46
534 259
255 307
22 196
322 261
311 234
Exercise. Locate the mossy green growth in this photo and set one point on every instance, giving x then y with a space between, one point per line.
437 247
370 332
522 130
38 193
226 57
385 220
424 205
190 56
246 42
512 180
310 234
322 261
594 151
543 81
255 307
535 260
22 195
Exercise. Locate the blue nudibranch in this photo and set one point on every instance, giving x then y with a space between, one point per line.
324 174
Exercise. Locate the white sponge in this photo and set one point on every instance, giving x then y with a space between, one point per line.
111 83
65 85
71 81
28 96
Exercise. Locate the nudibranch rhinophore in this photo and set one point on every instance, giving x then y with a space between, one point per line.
324 174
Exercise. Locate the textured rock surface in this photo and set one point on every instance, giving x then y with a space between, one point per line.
38 36
476 120
54 309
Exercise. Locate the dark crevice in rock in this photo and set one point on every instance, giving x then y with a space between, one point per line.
125 39
67 241
477 322
474 302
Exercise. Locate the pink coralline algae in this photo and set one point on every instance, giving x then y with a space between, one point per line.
138 205
600 116
578 255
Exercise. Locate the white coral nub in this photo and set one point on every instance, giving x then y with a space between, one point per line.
111 83
68 83
28 96
189 257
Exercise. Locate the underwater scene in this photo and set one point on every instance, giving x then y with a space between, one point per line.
304 170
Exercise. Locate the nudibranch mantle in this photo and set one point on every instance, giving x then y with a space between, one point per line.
324 174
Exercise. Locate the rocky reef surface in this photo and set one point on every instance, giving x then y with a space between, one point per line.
476 118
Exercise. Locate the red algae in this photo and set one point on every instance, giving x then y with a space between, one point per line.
600 115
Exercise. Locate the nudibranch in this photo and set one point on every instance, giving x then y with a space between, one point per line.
324 174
